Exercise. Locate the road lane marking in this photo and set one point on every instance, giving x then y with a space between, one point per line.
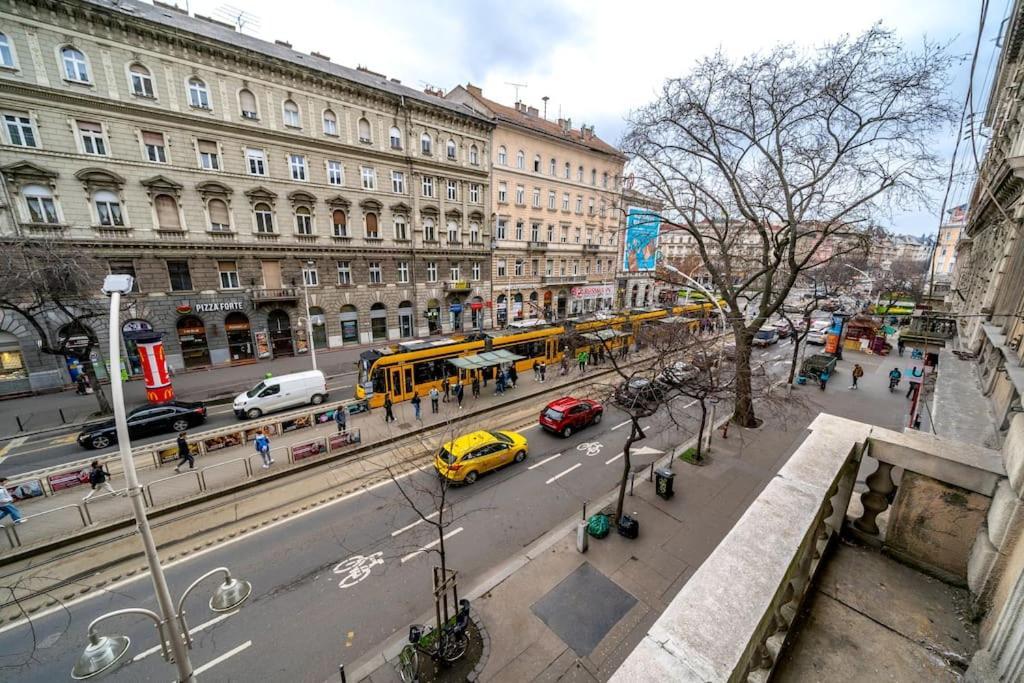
549 459
227 655
357 568
609 462
194 629
11 446
410 526
689 404
647 427
535 424
562 474
431 545
590 448
621 424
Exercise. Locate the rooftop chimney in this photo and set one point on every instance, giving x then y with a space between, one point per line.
565 125
283 42
320 55
532 111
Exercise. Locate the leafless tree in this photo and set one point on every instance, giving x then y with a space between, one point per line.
904 280
55 289
774 163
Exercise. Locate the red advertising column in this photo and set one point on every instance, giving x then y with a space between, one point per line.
154 367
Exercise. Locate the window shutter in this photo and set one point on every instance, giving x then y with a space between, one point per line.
339 217
153 139
219 212
207 147
167 213
90 127
247 100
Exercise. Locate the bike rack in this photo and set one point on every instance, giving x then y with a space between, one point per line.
13 540
83 513
202 473
148 491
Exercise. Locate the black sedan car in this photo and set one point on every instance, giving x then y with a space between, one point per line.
173 416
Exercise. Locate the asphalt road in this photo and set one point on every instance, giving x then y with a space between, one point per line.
304 618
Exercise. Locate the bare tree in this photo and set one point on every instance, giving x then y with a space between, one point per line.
903 281
55 289
773 164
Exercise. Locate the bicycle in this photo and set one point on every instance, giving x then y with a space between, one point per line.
447 647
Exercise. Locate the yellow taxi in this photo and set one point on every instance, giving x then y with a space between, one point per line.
464 459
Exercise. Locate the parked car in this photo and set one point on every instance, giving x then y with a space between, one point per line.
172 416
678 373
568 415
464 459
784 329
278 393
818 333
639 391
766 336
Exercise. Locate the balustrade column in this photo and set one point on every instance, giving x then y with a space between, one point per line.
876 499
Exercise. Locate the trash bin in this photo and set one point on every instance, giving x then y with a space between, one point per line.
663 482
628 527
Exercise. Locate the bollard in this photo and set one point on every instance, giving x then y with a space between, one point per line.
581 537
584 511
632 478
21 427
341 672
652 472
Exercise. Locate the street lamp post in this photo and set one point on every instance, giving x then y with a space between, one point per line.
309 320
103 652
871 280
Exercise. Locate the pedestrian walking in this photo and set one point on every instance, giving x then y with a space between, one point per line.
857 373
341 418
81 384
388 404
7 503
536 370
262 444
513 375
459 392
416 405
543 371
564 365
581 359
914 374
435 396
900 344
487 373
476 386
499 384
446 387
184 453
98 477
823 379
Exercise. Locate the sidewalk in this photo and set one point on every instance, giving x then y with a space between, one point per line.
561 615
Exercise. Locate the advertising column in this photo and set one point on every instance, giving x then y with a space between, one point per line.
154 366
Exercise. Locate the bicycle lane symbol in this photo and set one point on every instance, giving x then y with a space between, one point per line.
590 448
357 568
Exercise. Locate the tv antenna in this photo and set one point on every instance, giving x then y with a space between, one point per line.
517 86
238 17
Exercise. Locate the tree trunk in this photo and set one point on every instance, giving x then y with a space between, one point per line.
743 411
97 389
700 432
626 465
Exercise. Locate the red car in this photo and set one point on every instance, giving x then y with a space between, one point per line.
567 415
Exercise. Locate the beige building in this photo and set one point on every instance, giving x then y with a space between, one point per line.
226 172
555 193
944 257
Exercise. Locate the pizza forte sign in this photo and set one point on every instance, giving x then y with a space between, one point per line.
212 307
592 291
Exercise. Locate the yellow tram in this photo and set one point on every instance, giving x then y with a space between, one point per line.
412 367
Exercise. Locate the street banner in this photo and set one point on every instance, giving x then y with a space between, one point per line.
301 451
68 480
252 432
262 344
170 454
341 440
641 242
26 489
300 422
216 443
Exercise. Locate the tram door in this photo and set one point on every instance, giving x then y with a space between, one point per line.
401 386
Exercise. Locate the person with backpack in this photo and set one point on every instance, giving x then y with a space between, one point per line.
476 386
513 375
184 454
435 396
262 444
98 477
416 405
341 418
858 372
388 404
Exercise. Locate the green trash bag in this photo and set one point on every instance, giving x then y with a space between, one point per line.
598 525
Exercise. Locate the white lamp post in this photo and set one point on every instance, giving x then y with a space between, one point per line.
309 321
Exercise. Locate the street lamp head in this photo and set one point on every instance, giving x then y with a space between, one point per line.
230 594
115 282
100 654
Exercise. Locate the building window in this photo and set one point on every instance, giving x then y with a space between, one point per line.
198 95
108 209
375 273
297 164
180 276
551 232
76 68
453 232
429 230
91 135
6 53
549 267
291 115
369 177
310 276
552 199
536 163
535 232
372 226
474 155
536 197
499 266
454 272
228 274
220 218
534 267
520 160
426 144
20 130
502 192
247 104
41 206
502 156
335 173
401 228
453 190
403 272
395 137
155 147
167 216
474 193
519 230
339 219
519 267
125 268
431 271
593 176
428 186
209 155
579 204
590 206
476 270
577 234
474 233
330 122
553 167
568 170
398 182
264 218
501 228
141 81
579 174
303 221
604 179
520 195
257 161
363 128
565 234
344 272
565 201
451 149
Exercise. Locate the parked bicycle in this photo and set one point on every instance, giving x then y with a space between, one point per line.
446 647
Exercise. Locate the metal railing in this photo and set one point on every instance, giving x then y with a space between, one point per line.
202 473
12 535
149 487
83 513
282 294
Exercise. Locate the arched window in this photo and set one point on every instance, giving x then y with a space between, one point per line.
108 209
142 81
198 95
451 149
536 163
76 68
579 174
593 176
520 160
330 122
604 179
568 170
372 225
167 216
247 104
264 218
291 115
429 230
401 228
364 130
340 222
40 204
220 219
303 221
396 137
379 321
502 156
474 155
426 144
6 53
553 167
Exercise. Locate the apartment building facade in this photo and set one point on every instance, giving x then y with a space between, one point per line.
229 174
555 194
944 256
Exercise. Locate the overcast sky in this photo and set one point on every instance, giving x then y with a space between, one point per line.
597 59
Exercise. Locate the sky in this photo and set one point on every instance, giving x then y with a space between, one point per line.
598 59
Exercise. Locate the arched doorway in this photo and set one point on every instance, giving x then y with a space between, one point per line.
563 302
434 316
76 337
476 308
406 319
502 310
549 312
517 306
455 313
633 295
239 334
280 333
378 321
349 324
647 296
131 350
534 308
319 324
195 353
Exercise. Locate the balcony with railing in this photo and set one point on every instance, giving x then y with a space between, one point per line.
262 295
457 286
592 247
563 279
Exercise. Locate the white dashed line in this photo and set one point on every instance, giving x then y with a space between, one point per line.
227 655
689 404
535 465
530 427
621 424
410 526
431 545
562 474
610 461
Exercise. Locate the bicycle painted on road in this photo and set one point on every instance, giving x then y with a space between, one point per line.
357 568
590 448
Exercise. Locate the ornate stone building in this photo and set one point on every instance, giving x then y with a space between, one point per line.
555 193
227 172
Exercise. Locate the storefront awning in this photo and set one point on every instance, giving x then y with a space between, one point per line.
485 360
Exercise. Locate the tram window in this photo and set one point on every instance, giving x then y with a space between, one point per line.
379 381
432 370
531 349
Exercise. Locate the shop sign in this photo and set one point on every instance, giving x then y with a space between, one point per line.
215 306
592 291
456 308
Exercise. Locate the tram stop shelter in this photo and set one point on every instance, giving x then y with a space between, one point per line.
469 365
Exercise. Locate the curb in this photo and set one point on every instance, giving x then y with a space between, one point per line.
485 653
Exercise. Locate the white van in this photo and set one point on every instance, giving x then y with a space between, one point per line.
277 393
818 332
